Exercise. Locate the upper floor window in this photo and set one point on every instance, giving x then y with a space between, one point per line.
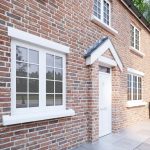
38 79
135 37
102 10
134 87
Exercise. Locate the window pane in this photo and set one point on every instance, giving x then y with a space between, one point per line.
97 8
49 86
21 100
58 87
50 73
106 12
33 100
50 100
58 74
134 87
132 35
58 62
33 71
50 60
139 88
129 87
58 99
21 54
21 69
21 85
33 85
34 56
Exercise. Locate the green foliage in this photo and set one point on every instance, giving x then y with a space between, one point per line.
144 7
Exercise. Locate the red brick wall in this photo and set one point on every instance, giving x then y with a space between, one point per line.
68 22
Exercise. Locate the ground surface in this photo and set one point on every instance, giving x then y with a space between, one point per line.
133 138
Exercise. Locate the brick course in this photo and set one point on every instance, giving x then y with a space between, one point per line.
68 22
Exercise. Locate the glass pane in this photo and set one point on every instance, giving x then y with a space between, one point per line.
33 100
104 69
50 73
21 100
21 85
58 99
50 86
21 54
33 71
50 100
21 69
58 62
58 74
58 87
50 60
33 85
33 56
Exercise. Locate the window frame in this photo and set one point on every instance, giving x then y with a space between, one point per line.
137 92
134 42
42 85
102 12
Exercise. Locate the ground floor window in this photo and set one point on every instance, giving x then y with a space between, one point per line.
134 87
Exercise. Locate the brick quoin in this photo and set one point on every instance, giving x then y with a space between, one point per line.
68 22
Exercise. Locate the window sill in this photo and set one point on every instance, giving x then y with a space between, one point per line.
136 103
103 25
136 51
16 119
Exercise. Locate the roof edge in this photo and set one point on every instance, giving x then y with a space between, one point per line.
136 13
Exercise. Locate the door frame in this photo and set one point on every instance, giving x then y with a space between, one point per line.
108 74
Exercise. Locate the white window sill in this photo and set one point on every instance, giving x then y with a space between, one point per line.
16 119
103 25
136 51
135 103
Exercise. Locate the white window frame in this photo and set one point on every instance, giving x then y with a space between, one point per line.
134 47
100 21
102 12
21 115
135 103
42 80
137 87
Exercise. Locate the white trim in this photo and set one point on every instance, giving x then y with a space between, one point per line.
107 45
135 72
30 38
135 103
107 61
134 30
136 51
42 79
135 15
16 119
103 25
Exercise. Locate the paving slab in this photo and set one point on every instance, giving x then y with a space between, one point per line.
132 138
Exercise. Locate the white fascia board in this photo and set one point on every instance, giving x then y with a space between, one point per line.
136 72
107 45
33 39
17 119
99 51
107 61
115 55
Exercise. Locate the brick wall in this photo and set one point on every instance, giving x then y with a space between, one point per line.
68 22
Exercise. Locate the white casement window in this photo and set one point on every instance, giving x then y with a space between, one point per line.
38 78
134 87
102 10
134 37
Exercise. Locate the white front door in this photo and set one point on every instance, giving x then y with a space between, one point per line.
105 90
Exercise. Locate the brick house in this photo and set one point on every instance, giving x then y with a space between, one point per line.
71 71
